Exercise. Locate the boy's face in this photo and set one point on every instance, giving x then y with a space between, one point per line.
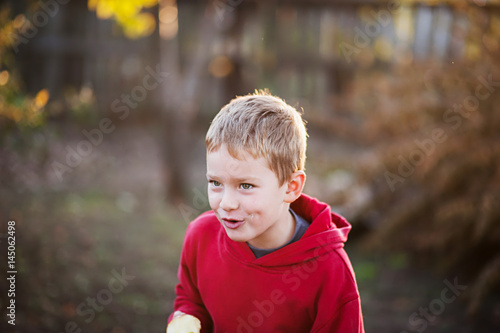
248 200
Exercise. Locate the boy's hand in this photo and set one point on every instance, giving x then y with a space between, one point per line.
184 323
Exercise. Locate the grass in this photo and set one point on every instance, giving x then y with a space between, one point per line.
70 243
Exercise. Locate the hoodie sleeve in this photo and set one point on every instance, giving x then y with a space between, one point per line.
188 298
347 319
339 305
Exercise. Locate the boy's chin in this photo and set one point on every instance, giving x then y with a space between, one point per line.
234 237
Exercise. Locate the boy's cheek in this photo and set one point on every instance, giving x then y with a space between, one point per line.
213 200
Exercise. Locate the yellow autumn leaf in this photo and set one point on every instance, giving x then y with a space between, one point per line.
92 4
128 15
104 10
4 77
140 25
42 98
126 10
149 3
16 115
472 50
19 21
383 49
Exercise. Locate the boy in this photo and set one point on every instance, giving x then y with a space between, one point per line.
267 258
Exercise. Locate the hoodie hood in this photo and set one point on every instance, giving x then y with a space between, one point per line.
327 232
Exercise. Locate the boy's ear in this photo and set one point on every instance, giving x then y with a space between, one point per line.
295 186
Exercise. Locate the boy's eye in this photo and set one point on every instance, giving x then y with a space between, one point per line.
246 186
214 183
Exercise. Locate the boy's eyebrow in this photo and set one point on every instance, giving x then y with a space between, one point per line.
246 179
238 180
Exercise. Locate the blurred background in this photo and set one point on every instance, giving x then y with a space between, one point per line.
104 105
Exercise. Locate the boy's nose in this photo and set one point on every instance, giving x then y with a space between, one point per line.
228 202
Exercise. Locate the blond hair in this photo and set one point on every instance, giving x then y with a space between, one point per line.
264 126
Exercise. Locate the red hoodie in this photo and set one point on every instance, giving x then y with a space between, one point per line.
306 286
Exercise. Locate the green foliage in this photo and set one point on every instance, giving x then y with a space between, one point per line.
17 109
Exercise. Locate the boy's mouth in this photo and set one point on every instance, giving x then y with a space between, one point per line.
232 223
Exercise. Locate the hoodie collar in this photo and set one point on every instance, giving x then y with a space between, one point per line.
327 231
